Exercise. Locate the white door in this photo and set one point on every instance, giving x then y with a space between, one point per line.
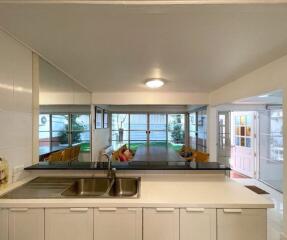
197 224
160 224
241 224
243 157
69 224
26 224
118 223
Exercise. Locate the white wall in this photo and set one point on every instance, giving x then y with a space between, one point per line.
266 79
15 104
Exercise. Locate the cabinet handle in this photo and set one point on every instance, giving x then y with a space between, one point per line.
132 209
195 209
79 209
165 209
107 209
18 209
232 210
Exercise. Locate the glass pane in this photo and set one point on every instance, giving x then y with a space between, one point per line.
176 128
106 120
120 135
44 122
82 138
242 131
120 121
248 142
271 148
44 136
138 122
135 144
138 136
80 122
157 122
242 142
60 137
157 136
242 120
60 123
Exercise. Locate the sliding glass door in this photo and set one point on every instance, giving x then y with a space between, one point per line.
138 133
136 129
157 133
271 148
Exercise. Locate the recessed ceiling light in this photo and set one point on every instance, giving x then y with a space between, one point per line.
264 96
154 83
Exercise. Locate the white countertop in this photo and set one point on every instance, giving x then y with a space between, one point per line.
177 191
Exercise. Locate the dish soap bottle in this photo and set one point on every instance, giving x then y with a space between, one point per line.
3 172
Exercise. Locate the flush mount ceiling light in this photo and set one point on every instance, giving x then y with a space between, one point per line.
154 83
264 96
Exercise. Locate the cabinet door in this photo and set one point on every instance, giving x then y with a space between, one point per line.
161 224
69 223
118 223
197 224
26 224
238 224
4 224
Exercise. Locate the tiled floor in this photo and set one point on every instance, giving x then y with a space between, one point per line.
275 215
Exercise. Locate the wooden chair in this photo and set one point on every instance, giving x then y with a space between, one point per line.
67 154
54 157
75 152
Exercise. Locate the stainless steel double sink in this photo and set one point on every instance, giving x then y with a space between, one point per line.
104 187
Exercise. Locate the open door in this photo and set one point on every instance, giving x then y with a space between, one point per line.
224 140
243 140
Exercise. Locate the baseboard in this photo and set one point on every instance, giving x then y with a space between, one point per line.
283 236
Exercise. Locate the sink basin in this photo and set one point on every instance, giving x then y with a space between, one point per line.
88 187
125 187
104 187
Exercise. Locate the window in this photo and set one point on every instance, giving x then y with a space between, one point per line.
65 130
198 130
176 130
243 133
276 135
136 129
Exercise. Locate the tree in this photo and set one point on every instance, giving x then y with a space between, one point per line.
177 132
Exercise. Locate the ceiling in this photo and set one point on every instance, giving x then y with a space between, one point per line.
115 48
275 97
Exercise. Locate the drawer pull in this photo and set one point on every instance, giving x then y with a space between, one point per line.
107 209
132 209
195 209
232 210
165 209
79 209
18 209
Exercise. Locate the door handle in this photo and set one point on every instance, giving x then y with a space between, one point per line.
232 210
78 209
107 209
195 209
19 209
165 209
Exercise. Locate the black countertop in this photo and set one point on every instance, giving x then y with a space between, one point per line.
132 165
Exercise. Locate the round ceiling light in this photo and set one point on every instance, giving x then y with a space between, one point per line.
154 83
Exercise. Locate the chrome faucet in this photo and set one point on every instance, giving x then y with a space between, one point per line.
111 171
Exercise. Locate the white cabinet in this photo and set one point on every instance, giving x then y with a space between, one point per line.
69 223
26 224
161 224
197 224
117 223
4 224
238 224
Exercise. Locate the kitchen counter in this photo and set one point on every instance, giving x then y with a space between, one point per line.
208 191
132 165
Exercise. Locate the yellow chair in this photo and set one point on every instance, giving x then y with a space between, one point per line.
201 157
54 157
75 152
67 154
